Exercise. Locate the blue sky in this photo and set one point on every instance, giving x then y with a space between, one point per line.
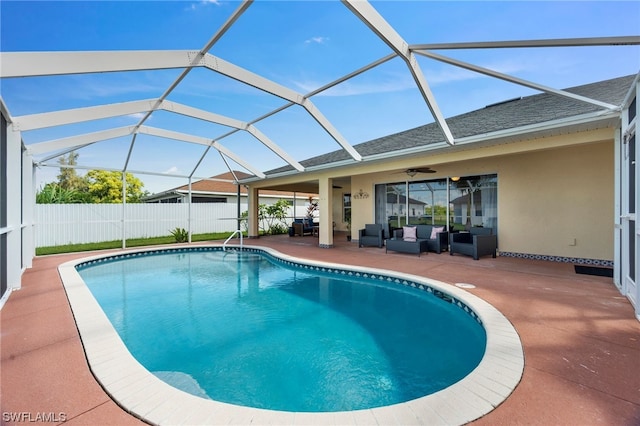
301 45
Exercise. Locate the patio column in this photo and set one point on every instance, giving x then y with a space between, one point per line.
253 203
326 212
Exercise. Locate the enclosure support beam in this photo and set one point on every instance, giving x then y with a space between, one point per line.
124 210
189 212
376 23
516 80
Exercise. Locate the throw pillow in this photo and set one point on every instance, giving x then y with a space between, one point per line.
409 233
435 230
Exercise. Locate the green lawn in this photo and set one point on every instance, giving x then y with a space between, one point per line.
134 242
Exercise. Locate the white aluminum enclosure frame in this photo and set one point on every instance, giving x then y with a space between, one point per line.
626 225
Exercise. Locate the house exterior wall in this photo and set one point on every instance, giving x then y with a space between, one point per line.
558 202
553 202
555 194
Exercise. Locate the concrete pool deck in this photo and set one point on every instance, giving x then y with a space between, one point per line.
581 340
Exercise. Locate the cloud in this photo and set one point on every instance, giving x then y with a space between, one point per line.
391 82
194 6
436 74
138 115
172 170
512 66
317 40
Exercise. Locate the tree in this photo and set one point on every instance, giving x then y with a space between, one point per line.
97 186
70 187
68 179
106 187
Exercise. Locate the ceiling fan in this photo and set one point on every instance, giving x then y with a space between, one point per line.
411 172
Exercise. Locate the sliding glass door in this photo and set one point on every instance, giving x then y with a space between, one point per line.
458 203
474 202
428 202
395 205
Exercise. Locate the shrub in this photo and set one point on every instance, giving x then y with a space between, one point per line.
181 235
278 228
271 218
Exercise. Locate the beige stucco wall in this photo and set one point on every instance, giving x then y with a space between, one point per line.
558 202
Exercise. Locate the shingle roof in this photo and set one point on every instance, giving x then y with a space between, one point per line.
534 109
219 187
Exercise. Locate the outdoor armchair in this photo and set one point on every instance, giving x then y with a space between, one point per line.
371 235
477 242
302 227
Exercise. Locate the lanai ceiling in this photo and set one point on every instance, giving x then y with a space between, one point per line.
225 107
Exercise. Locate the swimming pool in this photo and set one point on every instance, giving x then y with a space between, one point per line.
144 395
248 329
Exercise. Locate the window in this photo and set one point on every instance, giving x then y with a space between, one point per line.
208 199
346 208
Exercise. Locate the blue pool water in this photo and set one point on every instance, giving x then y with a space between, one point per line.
246 329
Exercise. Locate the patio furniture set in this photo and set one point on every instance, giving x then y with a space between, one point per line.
419 239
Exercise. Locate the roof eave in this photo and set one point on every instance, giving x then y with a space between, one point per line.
590 121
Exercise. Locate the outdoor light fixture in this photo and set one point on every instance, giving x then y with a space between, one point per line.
455 178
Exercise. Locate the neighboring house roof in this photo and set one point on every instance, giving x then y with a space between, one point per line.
220 187
510 114
216 186
402 199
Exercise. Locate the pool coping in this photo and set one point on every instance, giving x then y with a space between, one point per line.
145 396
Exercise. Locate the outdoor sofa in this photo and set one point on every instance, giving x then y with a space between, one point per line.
301 227
477 242
427 238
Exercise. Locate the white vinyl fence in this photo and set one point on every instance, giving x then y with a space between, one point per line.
60 224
